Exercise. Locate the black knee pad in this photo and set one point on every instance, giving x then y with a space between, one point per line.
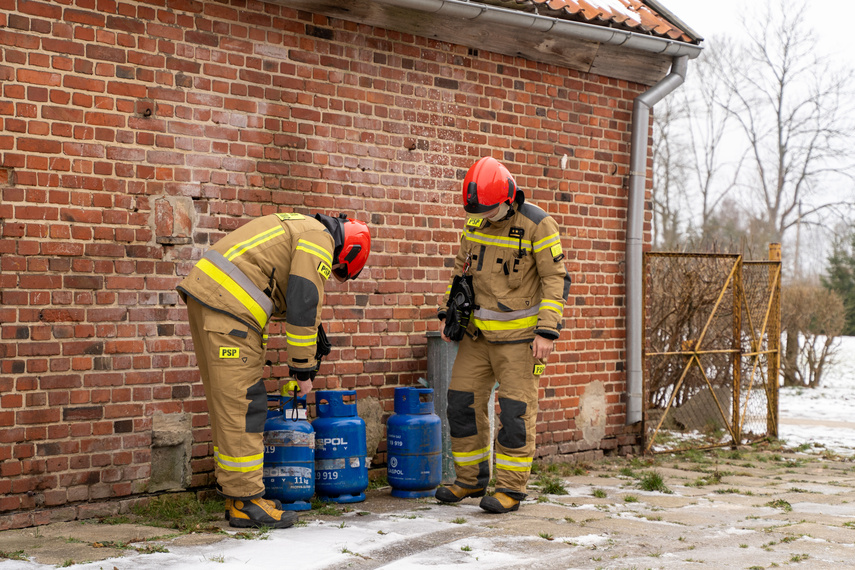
256 412
461 415
512 434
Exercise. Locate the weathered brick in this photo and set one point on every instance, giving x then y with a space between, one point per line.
82 413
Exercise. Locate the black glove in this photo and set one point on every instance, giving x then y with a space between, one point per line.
323 345
461 303
302 374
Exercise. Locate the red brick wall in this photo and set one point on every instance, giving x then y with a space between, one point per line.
134 135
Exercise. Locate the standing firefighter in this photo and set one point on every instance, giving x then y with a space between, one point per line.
510 260
274 266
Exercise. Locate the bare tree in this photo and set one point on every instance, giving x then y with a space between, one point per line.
715 174
760 128
790 106
688 157
669 177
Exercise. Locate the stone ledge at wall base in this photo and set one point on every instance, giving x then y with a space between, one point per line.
85 511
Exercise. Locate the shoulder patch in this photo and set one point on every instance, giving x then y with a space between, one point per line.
556 252
474 222
325 270
532 212
285 216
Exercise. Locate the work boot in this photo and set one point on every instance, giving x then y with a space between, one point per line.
455 494
500 503
257 513
230 501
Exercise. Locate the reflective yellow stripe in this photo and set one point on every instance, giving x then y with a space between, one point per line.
546 242
259 239
509 463
515 324
499 241
471 457
552 306
316 250
239 464
236 290
300 339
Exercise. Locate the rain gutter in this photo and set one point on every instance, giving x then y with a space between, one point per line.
535 23
635 231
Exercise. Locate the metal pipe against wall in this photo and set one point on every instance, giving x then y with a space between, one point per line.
635 231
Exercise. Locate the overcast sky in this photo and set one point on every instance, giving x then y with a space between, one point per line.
831 20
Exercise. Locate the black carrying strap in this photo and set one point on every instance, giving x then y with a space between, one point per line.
461 303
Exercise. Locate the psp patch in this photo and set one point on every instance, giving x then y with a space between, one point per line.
325 270
538 369
285 216
229 352
474 222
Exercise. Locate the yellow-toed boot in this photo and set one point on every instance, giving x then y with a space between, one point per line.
256 513
500 503
455 493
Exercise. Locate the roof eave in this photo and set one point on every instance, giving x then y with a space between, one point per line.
585 47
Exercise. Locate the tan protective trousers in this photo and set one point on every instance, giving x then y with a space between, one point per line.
230 357
478 366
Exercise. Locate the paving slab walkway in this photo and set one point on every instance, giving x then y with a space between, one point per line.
742 509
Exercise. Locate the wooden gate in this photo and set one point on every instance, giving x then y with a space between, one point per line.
711 349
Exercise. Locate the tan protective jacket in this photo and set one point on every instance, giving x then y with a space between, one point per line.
519 280
274 266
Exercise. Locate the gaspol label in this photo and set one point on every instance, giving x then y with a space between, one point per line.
286 471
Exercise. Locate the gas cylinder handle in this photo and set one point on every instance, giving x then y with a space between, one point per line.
291 386
425 407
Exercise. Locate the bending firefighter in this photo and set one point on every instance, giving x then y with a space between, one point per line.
510 260
274 266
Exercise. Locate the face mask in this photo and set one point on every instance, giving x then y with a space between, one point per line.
503 211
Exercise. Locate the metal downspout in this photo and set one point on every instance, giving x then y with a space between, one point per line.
635 231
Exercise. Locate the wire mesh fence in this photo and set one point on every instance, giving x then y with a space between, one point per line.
711 340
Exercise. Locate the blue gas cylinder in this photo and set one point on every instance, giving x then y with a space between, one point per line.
289 454
414 444
341 471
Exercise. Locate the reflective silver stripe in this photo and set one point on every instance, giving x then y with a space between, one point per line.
241 280
471 457
487 315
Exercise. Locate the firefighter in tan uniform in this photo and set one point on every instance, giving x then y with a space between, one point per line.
512 251
274 266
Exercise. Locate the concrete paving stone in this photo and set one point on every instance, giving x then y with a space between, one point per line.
78 541
747 501
664 501
834 534
582 484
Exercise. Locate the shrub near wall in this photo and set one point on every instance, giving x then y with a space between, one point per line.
135 135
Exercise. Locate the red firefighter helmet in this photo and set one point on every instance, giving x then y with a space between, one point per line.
353 252
487 184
